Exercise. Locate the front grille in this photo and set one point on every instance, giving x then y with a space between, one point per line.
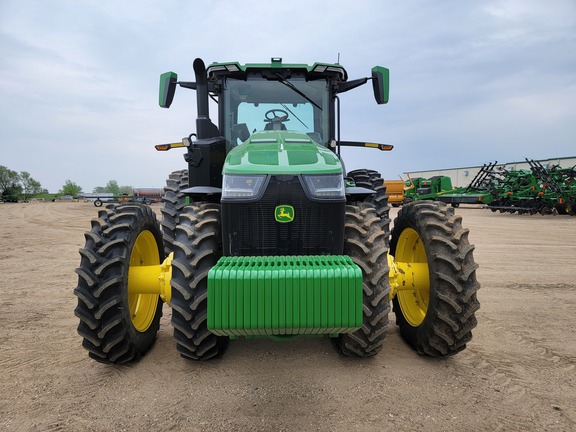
250 228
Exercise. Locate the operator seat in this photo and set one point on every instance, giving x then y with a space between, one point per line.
275 126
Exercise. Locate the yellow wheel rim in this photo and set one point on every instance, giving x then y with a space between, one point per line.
143 306
413 303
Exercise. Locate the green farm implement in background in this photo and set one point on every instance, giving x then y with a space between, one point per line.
526 191
537 190
440 188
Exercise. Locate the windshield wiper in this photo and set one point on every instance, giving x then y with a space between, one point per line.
297 118
293 87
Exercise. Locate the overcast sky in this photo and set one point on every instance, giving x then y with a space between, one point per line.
471 81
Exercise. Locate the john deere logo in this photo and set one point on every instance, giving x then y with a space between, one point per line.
284 213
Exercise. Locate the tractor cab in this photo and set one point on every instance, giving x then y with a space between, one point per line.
257 98
263 97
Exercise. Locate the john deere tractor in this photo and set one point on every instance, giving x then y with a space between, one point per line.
266 235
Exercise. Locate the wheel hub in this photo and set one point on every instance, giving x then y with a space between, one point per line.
142 305
409 277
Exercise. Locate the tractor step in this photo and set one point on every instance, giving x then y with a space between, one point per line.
284 295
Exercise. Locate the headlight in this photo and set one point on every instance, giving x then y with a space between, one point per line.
325 186
242 186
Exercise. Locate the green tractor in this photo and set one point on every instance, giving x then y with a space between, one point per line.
266 235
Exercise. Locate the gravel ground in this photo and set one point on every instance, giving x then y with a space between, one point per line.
517 374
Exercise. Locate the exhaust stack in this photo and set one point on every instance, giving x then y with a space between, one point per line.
204 126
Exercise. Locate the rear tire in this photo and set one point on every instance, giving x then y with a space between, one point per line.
118 327
197 248
439 321
173 202
366 244
373 180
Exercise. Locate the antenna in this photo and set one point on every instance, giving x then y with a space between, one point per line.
338 61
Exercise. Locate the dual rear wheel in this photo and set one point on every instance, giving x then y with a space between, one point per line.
438 318
117 324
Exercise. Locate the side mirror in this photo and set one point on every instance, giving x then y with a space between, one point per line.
168 82
381 84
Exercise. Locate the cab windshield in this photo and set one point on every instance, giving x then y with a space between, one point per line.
259 104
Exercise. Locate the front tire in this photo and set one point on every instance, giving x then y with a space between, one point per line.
366 244
197 248
437 321
116 326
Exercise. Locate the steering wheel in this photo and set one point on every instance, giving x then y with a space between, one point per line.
272 117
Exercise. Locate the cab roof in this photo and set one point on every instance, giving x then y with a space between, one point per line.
236 70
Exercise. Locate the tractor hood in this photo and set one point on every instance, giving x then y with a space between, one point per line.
281 152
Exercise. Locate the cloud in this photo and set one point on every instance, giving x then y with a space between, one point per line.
470 82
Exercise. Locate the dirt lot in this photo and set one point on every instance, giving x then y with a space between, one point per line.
517 374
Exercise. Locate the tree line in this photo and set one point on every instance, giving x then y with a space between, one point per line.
71 188
18 185
15 186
